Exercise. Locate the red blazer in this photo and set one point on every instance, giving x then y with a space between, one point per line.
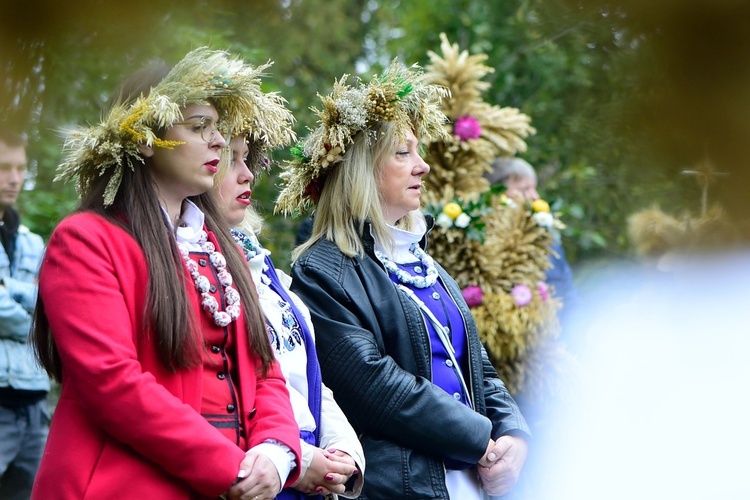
124 425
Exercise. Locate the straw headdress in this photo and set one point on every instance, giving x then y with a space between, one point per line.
204 76
400 95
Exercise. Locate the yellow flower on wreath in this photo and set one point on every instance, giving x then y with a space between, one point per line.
539 205
452 209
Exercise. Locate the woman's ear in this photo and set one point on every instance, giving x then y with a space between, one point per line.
146 151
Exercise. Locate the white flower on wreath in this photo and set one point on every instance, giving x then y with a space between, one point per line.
353 109
330 157
444 220
462 220
507 201
544 219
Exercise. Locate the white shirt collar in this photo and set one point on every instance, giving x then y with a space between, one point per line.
403 240
192 220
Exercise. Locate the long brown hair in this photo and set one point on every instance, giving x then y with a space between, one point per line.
137 210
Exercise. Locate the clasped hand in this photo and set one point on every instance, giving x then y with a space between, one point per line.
329 472
257 479
501 464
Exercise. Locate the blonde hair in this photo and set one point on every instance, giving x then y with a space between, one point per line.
251 223
350 195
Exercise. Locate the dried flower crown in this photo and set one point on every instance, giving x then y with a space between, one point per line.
400 95
204 76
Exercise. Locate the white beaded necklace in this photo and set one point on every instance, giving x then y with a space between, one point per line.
428 264
208 302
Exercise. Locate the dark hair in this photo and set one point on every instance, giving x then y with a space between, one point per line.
139 83
10 137
168 314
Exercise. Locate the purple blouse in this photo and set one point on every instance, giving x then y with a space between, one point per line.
440 303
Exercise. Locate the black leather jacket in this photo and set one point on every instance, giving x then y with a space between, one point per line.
375 355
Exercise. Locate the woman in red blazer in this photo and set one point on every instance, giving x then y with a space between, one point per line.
146 312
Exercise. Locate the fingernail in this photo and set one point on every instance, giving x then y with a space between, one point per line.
319 490
331 450
492 457
329 477
355 472
242 473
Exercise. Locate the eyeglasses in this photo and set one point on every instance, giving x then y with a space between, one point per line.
206 125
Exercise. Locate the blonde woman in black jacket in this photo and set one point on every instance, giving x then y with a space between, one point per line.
397 343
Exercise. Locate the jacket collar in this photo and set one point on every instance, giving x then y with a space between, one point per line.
11 220
368 241
8 231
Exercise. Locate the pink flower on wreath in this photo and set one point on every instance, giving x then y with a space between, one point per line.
521 294
473 295
467 127
543 290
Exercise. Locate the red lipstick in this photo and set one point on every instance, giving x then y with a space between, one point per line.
212 165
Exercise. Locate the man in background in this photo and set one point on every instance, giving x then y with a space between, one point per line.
24 417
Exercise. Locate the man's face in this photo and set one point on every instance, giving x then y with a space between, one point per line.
12 173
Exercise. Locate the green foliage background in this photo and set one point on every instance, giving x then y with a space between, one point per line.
576 67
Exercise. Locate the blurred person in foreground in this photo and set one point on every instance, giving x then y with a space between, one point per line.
396 341
24 416
661 392
660 388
